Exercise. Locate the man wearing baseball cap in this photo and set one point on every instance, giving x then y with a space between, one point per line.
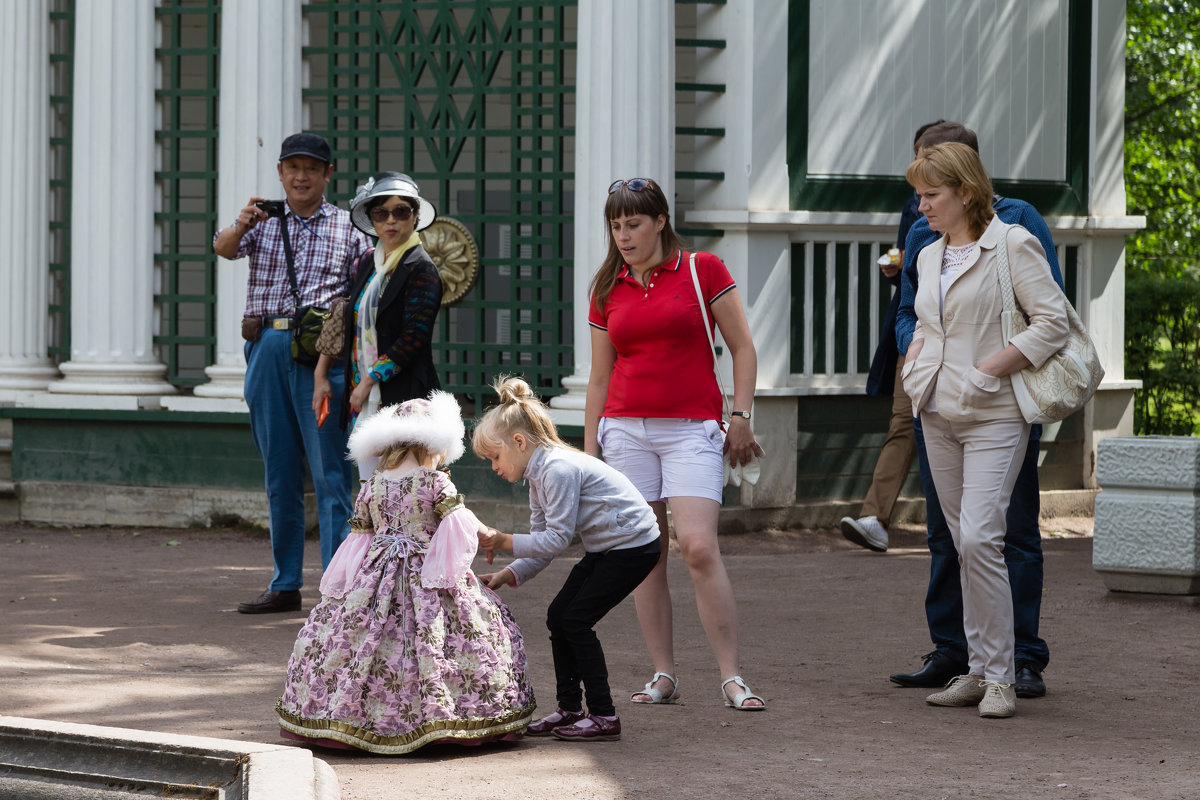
278 389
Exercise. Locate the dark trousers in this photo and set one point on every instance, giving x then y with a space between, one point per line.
1022 556
597 584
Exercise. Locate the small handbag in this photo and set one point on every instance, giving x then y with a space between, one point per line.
746 472
1066 380
307 320
332 339
306 328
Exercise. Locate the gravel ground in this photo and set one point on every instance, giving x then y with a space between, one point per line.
137 628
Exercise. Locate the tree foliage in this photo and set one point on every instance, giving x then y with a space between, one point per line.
1162 178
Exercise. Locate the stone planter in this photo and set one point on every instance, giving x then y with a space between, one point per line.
1147 523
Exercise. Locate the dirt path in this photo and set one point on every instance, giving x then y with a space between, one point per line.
138 629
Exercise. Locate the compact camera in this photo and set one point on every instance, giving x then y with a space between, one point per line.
272 208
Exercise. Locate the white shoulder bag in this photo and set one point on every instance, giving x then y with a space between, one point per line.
746 472
1068 379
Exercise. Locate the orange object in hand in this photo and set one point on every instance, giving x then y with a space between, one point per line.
323 413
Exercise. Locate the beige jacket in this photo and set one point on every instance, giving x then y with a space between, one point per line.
950 345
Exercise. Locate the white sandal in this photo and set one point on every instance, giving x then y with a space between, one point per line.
657 697
739 699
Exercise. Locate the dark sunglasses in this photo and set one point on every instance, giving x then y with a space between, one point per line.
399 213
634 184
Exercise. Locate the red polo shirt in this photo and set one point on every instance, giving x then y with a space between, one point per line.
664 367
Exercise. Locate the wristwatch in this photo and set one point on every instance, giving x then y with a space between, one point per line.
742 414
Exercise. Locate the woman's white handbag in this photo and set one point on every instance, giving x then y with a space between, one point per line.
1068 379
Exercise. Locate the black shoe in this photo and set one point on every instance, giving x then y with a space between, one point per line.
271 601
938 670
1029 681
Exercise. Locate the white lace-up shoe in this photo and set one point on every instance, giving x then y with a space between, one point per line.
999 700
965 690
866 532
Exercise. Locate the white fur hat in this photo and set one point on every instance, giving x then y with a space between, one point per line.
435 424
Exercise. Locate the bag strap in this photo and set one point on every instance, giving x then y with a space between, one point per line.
708 331
1004 275
291 265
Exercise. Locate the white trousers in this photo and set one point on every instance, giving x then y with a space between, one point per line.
974 467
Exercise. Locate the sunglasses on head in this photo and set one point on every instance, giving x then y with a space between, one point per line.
399 213
634 184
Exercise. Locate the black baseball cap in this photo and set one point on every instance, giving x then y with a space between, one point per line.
306 144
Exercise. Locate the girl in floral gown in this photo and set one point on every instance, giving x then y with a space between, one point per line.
407 647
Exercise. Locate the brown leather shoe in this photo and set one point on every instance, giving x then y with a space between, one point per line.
546 725
600 730
271 601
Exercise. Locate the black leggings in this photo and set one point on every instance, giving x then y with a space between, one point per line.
597 584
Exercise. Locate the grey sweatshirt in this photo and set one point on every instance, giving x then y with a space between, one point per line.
571 492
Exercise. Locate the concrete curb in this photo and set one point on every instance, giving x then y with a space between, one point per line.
42 759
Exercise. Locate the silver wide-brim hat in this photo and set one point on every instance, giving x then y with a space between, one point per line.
389 184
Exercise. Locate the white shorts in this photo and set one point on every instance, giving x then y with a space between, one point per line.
666 458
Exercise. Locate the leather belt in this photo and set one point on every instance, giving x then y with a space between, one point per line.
278 323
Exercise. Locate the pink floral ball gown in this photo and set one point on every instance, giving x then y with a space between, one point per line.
406 646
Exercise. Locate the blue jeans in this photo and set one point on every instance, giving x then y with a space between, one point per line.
1022 556
279 395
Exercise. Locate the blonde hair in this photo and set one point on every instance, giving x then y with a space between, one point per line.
393 455
958 166
519 411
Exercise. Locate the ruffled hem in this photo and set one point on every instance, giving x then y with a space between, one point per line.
459 731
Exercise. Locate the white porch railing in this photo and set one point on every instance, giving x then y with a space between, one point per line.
840 297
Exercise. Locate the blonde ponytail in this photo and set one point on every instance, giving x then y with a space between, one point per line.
519 411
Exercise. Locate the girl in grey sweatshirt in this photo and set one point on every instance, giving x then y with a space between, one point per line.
569 493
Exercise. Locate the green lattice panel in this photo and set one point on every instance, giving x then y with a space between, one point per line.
187 177
62 65
474 101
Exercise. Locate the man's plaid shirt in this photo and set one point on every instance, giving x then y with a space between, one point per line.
325 248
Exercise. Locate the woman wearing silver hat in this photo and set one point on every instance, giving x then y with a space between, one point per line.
393 304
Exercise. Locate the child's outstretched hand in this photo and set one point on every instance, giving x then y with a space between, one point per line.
494 580
487 541
491 540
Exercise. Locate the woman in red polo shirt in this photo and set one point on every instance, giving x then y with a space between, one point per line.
654 410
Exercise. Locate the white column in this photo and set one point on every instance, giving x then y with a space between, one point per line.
753 158
260 106
112 204
624 128
25 206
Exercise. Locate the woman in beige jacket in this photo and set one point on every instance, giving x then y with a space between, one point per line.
956 372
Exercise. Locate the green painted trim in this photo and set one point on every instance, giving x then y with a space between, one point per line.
700 233
798 316
182 449
62 97
797 98
867 193
1079 91
110 415
129 452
